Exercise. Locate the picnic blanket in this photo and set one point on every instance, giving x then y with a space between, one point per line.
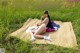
64 37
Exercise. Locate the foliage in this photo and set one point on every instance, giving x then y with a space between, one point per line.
13 13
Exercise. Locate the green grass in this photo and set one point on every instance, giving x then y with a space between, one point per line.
13 13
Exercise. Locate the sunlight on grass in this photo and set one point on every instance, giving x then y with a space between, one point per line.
13 13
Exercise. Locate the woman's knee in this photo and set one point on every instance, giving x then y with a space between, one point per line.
40 30
43 25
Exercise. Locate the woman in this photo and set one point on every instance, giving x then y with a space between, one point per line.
45 22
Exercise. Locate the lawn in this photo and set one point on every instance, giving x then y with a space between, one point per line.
13 13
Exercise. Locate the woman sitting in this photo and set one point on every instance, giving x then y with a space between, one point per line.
45 23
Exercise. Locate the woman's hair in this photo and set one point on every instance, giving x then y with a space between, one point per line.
46 12
49 23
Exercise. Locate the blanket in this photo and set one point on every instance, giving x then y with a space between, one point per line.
64 36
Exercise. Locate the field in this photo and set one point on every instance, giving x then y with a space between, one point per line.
13 13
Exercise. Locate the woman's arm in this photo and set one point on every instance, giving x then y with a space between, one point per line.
46 20
42 18
40 21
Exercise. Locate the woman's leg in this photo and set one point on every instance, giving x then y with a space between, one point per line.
41 29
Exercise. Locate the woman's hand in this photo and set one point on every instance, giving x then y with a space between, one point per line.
39 24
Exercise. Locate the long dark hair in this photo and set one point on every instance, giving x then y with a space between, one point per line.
46 12
49 25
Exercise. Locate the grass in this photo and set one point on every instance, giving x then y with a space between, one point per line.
13 13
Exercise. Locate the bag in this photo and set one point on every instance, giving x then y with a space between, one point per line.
55 27
49 30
